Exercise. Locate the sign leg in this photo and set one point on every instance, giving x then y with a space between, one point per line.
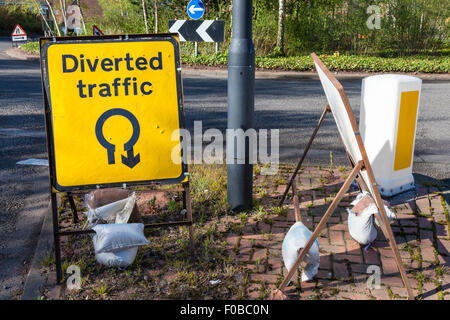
73 207
189 217
56 238
387 230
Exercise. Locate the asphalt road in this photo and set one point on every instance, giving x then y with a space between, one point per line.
23 189
292 105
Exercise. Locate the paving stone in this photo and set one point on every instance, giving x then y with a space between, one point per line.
401 292
259 254
353 247
426 234
409 222
332 248
266 278
389 266
340 270
336 237
386 252
325 262
371 256
423 205
427 253
232 239
324 274
348 257
358 268
443 247
441 230
424 223
347 235
264 227
339 227
380 294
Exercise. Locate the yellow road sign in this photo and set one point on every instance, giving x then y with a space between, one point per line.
114 105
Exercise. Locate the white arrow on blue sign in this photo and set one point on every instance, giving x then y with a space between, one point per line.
195 9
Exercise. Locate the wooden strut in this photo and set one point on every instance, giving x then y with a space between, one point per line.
58 234
325 111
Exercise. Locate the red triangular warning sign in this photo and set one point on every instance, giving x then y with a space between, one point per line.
18 31
96 31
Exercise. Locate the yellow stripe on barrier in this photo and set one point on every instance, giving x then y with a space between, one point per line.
406 129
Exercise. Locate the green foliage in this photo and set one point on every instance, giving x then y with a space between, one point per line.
123 16
406 26
338 62
27 15
31 47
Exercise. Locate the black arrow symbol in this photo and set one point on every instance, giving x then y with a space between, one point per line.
130 160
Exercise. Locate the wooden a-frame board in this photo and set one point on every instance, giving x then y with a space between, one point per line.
339 106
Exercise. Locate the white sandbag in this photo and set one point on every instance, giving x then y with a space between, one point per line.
361 226
361 220
113 237
119 258
116 212
296 238
389 213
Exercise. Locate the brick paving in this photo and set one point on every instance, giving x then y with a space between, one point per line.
421 231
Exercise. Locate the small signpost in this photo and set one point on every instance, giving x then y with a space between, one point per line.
18 35
113 107
195 9
96 31
198 30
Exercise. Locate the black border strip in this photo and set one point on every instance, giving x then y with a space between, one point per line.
46 42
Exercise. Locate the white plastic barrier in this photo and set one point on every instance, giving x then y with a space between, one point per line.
388 119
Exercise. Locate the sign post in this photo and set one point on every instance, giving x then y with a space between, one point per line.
198 30
241 83
105 123
96 31
195 9
18 35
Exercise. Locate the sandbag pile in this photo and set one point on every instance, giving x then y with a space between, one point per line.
113 215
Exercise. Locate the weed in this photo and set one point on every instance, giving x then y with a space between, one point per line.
102 290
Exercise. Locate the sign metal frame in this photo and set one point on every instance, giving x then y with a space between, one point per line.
183 179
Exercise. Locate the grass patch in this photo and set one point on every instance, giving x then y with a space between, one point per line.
31 47
416 63
335 62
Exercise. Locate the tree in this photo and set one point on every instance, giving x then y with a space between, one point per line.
55 22
145 16
156 17
280 35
